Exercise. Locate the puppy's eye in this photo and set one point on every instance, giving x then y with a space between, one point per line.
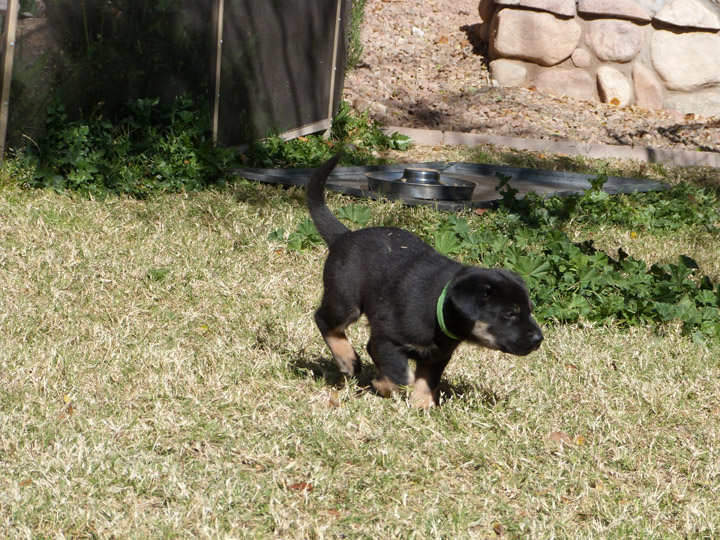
510 315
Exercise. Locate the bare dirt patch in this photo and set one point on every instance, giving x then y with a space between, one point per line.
424 67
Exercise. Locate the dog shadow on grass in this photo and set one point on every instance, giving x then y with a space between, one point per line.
465 391
325 370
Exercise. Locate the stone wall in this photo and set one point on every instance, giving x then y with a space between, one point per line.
651 53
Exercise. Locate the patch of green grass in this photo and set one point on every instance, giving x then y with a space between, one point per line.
360 138
204 403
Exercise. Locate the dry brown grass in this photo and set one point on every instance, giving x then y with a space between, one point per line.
161 377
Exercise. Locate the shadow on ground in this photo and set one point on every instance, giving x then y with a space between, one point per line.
325 371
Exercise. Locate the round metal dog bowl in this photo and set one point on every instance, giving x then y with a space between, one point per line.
420 183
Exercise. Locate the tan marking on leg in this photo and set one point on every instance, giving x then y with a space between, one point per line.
480 331
385 387
343 353
410 376
423 397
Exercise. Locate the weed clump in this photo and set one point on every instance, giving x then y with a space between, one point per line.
356 133
151 147
146 147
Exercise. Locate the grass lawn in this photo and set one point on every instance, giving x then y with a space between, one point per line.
161 376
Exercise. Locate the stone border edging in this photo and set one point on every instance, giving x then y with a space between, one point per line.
680 158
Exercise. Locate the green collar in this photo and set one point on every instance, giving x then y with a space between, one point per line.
439 311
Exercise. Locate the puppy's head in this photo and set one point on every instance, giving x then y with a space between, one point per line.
492 308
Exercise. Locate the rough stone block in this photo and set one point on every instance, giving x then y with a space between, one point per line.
620 9
686 61
614 87
614 41
648 88
486 9
701 103
689 14
652 6
508 72
573 83
535 36
564 8
581 58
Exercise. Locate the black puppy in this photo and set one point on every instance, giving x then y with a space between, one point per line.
420 304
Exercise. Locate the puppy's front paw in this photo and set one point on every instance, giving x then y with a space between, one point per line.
385 387
422 396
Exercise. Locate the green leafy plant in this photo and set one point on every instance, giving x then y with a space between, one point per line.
306 234
356 214
278 235
356 134
572 281
508 193
147 147
447 242
304 237
671 209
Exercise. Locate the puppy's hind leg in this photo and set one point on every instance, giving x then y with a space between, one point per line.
332 325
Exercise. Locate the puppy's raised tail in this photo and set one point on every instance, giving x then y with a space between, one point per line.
327 224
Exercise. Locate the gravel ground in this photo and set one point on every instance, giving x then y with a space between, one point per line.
423 67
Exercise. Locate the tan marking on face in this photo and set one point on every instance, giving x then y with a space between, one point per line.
486 339
343 353
423 397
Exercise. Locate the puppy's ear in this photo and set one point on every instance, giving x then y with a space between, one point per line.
468 296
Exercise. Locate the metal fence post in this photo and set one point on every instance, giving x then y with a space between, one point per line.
333 68
218 15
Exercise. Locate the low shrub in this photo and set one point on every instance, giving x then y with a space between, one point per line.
147 147
355 133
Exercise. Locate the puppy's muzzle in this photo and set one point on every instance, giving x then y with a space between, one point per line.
533 342
530 342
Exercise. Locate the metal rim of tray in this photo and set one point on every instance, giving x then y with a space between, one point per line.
420 183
